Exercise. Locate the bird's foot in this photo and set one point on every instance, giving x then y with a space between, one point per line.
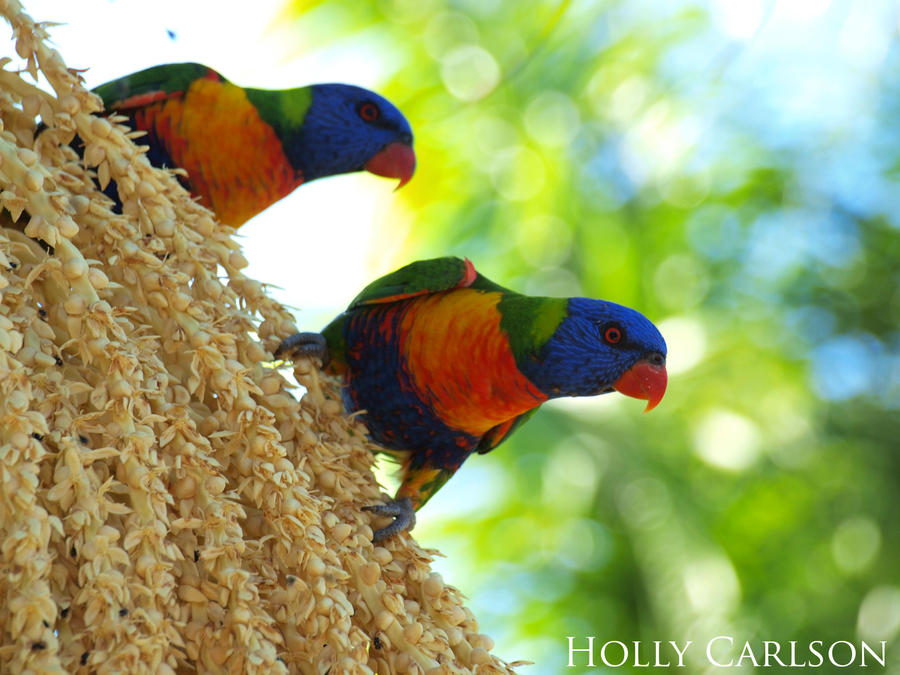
403 513
299 345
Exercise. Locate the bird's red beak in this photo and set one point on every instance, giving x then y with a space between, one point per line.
396 160
644 380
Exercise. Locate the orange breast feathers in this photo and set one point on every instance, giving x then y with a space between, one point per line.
461 363
234 160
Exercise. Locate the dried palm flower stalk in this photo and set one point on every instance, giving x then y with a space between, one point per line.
167 505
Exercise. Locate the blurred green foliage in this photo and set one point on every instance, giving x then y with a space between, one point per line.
730 169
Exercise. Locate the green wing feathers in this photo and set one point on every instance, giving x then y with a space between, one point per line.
418 278
157 83
501 432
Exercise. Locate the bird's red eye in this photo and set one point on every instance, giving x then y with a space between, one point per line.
612 335
369 111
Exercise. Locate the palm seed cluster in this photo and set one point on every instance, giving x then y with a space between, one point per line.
167 504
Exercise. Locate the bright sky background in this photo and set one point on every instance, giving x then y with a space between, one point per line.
317 246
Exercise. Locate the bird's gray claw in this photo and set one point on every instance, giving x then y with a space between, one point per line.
403 513
299 345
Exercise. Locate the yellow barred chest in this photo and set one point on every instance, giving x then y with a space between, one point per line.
461 363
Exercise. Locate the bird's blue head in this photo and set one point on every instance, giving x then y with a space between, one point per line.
600 347
348 128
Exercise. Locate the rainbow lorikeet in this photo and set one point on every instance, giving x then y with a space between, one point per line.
245 149
445 362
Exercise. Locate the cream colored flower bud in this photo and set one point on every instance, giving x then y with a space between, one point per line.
212 289
34 180
480 640
315 566
191 594
200 339
324 605
454 635
384 619
393 603
80 204
74 268
44 360
341 531
73 326
456 615
433 585
244 403
75 305
369 573
26 156
271 385
413 632
479 657
16 401
69 104
205 225
240 615
67 227
120 388
216 485
98 346
382 556
180 301
332 407
98 278
237 260
35 227
185 488
327 479
100 127
256 353
165 227
94 154
157 299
